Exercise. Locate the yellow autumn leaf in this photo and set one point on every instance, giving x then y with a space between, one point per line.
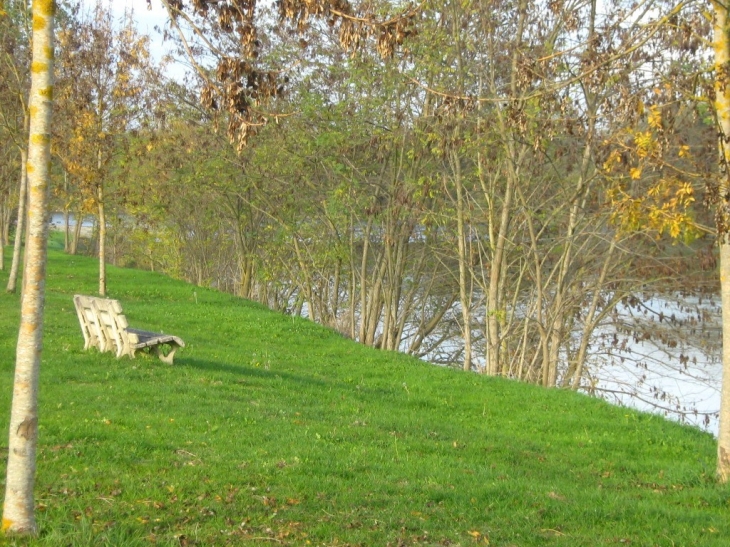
685 191
635 173
644 143
683 151
613 158
675 228
655 117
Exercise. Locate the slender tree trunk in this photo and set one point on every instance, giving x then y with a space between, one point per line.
77 232
20 227
352 313
722 105
364 282
102 243
495 313
245 283
4 207
335 297
375 302
18 510
515 152
464 250
245 264
66 230
723 436
3 229
5 221
65 215
465 293
537 316
307 287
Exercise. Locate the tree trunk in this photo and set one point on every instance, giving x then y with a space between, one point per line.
465 293
79 216
18 510
244 250
5 227
495 313
66 231
3 241
66 242
20 227
102 243
245 283
723 436
335 297
494 310
722 105
364 281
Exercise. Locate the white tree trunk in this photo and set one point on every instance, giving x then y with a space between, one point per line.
20 227
18 510
723 437
722 106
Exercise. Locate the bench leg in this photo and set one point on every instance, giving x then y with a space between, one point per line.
166 358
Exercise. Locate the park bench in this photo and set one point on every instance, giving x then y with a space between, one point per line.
105 328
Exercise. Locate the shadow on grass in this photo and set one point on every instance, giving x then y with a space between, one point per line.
249 372
365 394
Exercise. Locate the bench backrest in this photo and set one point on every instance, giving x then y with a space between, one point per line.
103 324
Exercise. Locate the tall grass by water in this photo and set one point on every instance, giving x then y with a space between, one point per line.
271 430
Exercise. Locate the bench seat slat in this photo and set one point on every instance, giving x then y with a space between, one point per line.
146 338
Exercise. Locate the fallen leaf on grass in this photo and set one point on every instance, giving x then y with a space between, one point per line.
478 537
552 531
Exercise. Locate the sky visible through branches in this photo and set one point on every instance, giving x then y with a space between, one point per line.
149 22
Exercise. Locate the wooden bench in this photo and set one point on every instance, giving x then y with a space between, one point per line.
105 328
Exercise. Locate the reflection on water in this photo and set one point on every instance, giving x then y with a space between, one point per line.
663 354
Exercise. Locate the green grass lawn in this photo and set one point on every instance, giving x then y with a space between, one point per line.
270 430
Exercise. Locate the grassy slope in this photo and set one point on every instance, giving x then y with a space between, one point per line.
273 430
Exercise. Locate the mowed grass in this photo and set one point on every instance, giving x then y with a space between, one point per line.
271 430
